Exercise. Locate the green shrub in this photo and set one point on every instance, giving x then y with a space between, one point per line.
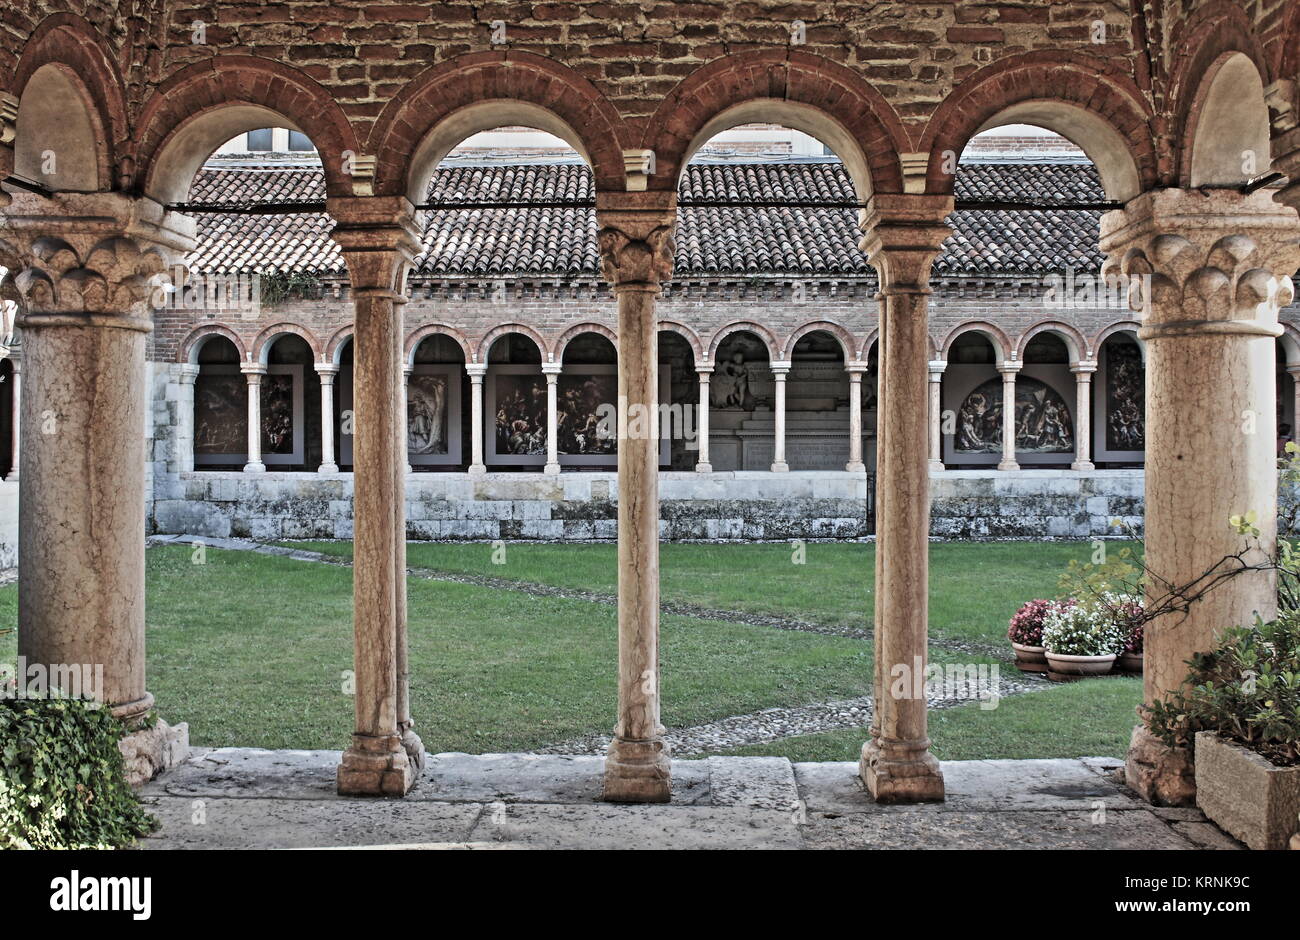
1246 689
62 782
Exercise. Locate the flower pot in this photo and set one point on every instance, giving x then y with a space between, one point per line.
1068 665
1247 795
1030 658
1129 664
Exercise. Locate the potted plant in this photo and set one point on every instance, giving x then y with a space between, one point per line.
1240 708
1080 640
1129 613
1026 635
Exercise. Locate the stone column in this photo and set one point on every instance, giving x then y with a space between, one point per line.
903 236
552 372
702 464
253 372
327 371
636 248
1209 270
780 369
1008 370
378 238
1083 371
189 372
936 413
855 464
404 431
476 372
1293 371
89 265
17 415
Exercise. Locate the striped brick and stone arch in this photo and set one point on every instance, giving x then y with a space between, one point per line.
1121 327
842 335
261 348
71 107
1091 104
207 103
577 330
1003 347
1075 342
805 92
482 91
765 335
419 335
334 346
1217 92
193 344
484 349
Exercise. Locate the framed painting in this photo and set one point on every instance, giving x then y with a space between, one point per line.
433 415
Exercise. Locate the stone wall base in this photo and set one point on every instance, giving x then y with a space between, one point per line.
1160 774
150 751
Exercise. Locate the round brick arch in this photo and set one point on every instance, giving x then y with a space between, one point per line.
480 91
74 46
437 329
1078 97
744 326
686 333
193 344
1003 348
203 105
841 334
811 94
1214 36
266 339
577 330
485 344
1075 342
1288 59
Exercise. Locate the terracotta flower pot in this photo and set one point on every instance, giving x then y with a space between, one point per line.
1129 663
1030 658
1080 665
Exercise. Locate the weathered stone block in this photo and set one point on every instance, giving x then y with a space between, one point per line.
1248 796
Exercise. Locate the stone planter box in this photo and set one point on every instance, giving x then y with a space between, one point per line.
1251 798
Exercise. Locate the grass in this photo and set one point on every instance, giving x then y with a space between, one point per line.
253 650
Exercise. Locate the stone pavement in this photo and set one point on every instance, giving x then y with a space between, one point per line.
248 798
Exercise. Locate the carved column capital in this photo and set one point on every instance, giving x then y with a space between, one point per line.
635 237
1204 262
91 258
903 234
379 240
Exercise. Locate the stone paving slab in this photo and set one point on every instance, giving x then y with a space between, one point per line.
260 823
610 826
761 782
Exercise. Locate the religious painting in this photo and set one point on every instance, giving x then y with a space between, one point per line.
1043 422
220 416
515 399
433 415
587 415
731 386
1125 397
283 417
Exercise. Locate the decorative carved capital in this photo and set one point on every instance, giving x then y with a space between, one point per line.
378 237
903 236
1204 262
101 256
635 238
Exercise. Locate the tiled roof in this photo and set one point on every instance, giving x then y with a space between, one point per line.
711 241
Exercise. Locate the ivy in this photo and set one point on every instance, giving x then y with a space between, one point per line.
62 781
275 287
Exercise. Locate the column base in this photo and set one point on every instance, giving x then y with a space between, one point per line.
255 468
1008 465
551 468
147 752
781 467
477 470
637 772
376 766
328 468
901 774
704 468
1083 465
937 465
1160 774
13 475
855 466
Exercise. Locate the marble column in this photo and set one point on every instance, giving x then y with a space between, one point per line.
936 413
1008 370
702 464
903 237
1083 371
82 493
253 372
855 464
404 431
189 372
780 369
476 372
636 239
327 371
552 372
378 239
1210 270
16 429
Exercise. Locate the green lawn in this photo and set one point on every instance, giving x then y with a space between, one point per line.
252 649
